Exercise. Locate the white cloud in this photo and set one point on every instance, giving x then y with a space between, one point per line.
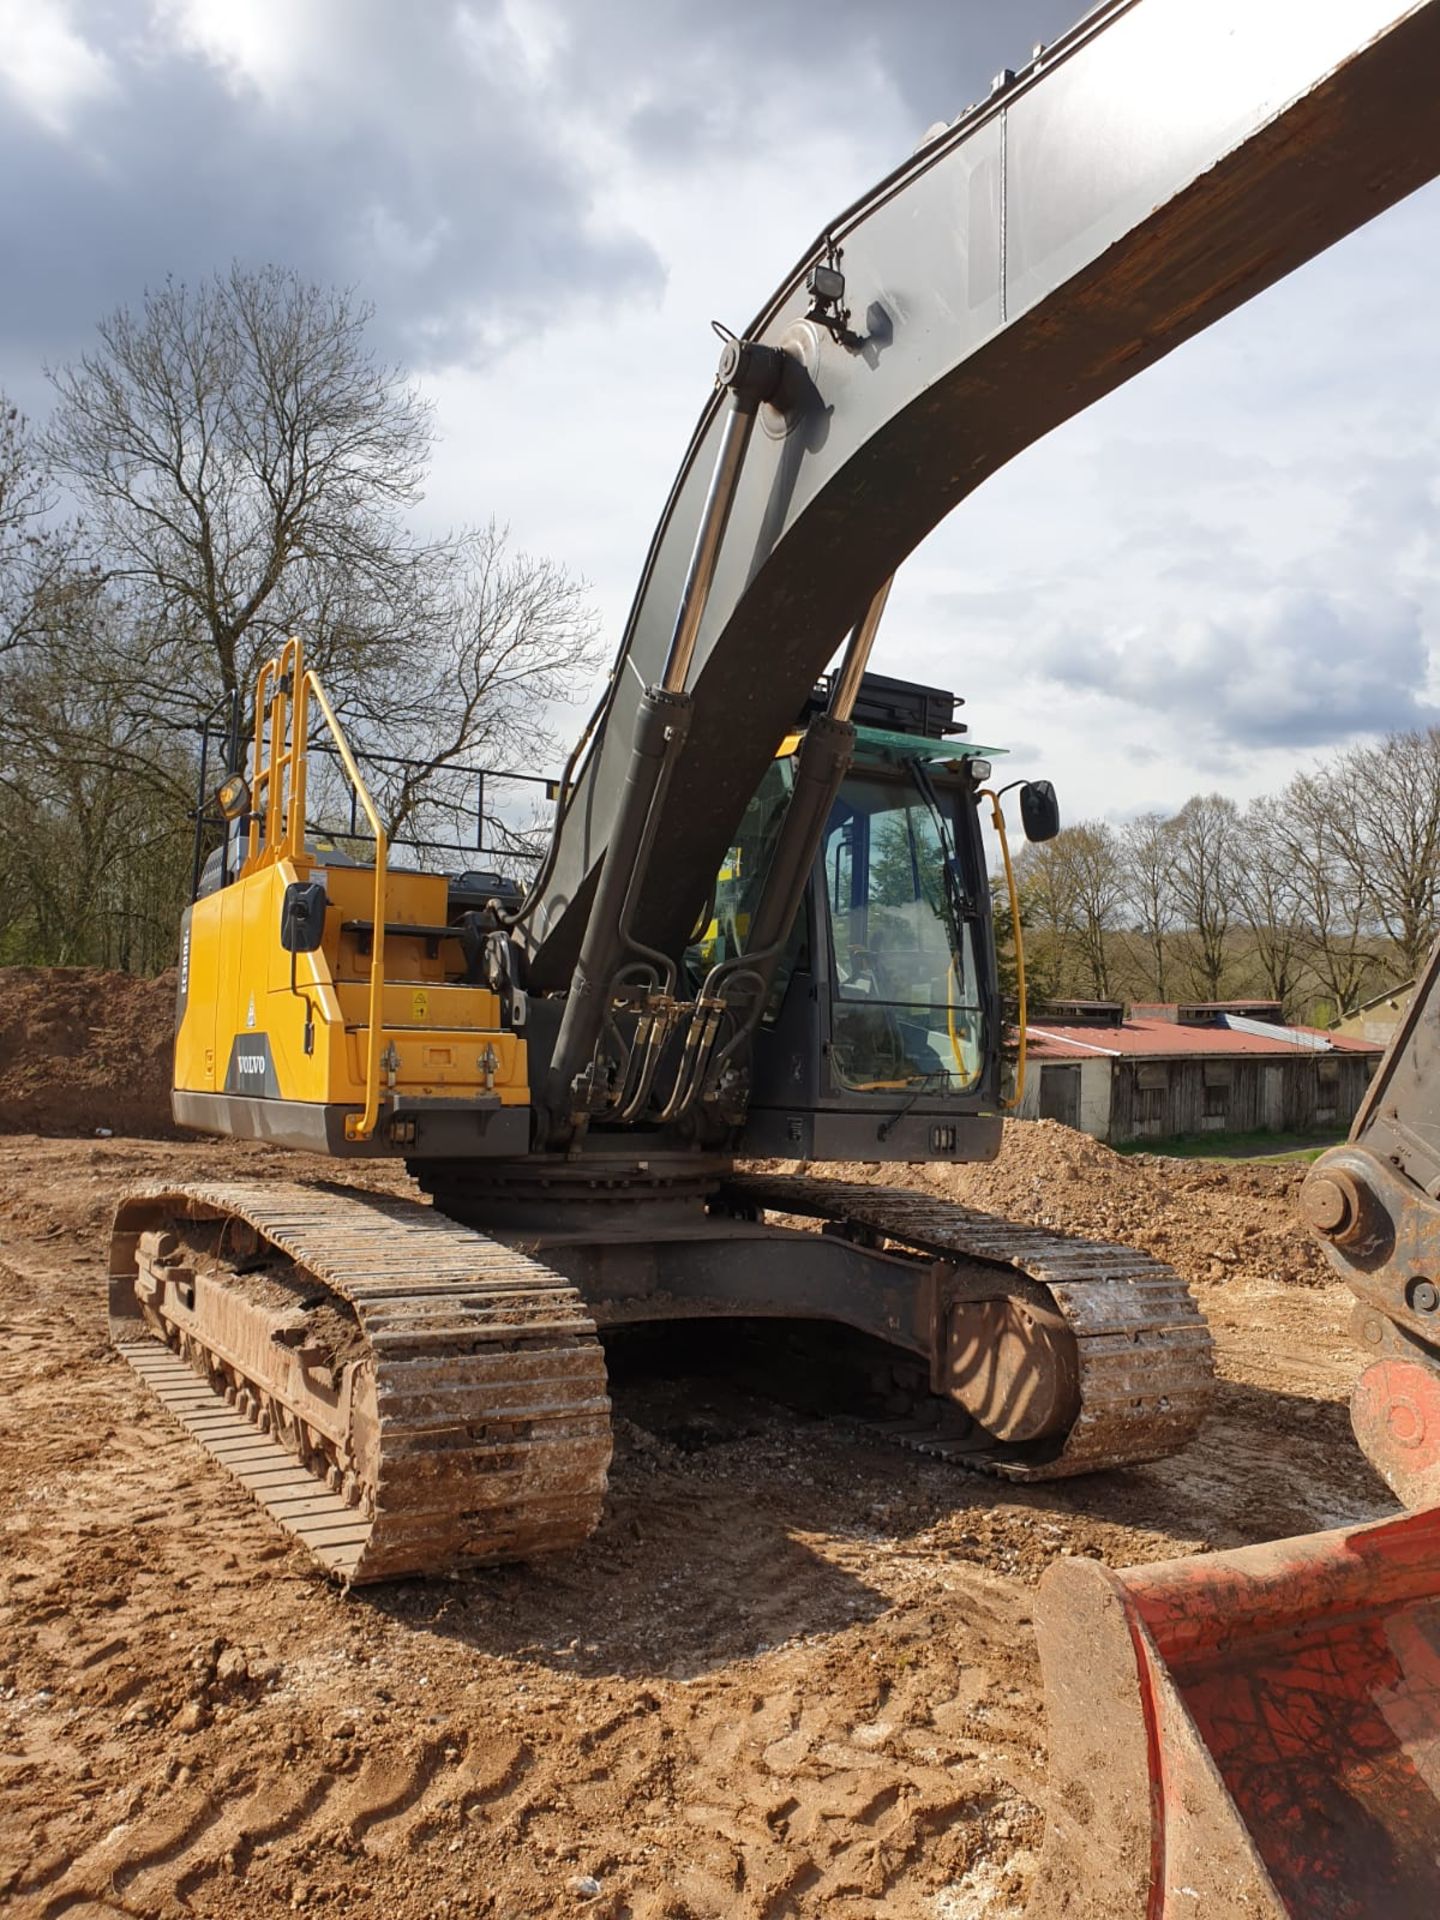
1206 578
260 45
48 68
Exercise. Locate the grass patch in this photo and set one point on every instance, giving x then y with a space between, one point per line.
1255 1145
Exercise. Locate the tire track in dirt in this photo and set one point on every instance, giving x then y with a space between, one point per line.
136 1868
791 1677
794 1808
272 1811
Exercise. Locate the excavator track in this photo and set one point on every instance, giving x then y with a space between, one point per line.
402 1393
1144 1353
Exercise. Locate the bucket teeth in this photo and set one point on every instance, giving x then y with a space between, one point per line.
468 1424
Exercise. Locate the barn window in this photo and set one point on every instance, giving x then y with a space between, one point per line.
1219 1076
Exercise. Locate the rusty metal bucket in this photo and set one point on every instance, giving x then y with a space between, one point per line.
1253 1734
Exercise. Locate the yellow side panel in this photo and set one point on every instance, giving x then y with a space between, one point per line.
407 1003
199 997
240 1005
450 1063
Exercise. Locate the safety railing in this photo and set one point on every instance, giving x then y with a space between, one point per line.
997 820
283 694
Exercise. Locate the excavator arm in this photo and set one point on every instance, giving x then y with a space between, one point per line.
1162 163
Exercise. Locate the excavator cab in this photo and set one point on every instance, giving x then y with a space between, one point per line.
880 1037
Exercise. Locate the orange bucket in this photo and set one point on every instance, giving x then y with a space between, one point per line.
1252 1734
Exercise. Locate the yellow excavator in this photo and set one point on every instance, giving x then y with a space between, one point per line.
412 1387
762 931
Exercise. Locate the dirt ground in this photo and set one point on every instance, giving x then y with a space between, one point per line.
792 1674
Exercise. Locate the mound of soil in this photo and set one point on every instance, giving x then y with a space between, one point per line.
1206 1220
85 1051
1211 1222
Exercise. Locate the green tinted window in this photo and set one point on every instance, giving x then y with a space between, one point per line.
742 874
907 1002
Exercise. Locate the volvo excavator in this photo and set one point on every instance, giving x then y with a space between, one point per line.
762 930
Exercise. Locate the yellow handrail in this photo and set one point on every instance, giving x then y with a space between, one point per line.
957 1045
263 769
997 819
357 1126
283 691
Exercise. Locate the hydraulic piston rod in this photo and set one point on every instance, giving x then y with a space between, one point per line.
824 760
846 690
752 374
661 725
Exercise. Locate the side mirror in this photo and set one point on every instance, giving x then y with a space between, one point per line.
1039 810
302 916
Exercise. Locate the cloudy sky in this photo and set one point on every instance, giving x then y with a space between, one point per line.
1221 573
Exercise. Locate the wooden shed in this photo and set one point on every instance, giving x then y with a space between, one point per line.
1190 1068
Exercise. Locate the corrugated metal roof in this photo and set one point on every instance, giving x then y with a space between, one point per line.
1163 1039
1402 993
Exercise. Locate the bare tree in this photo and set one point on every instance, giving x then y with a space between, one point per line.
1337 931
93 802
1049 912
1383 816
1147 844
1203 838
36 563
238 451
499 639
1075 886
1092 852
247 467
1270 893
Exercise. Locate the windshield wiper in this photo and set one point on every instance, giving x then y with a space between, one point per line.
956 907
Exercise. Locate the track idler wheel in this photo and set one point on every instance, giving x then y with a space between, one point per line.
1013 1365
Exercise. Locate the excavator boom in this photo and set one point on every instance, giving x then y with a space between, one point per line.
1162 163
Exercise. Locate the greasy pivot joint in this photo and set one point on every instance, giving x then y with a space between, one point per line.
750 372
1333 1204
